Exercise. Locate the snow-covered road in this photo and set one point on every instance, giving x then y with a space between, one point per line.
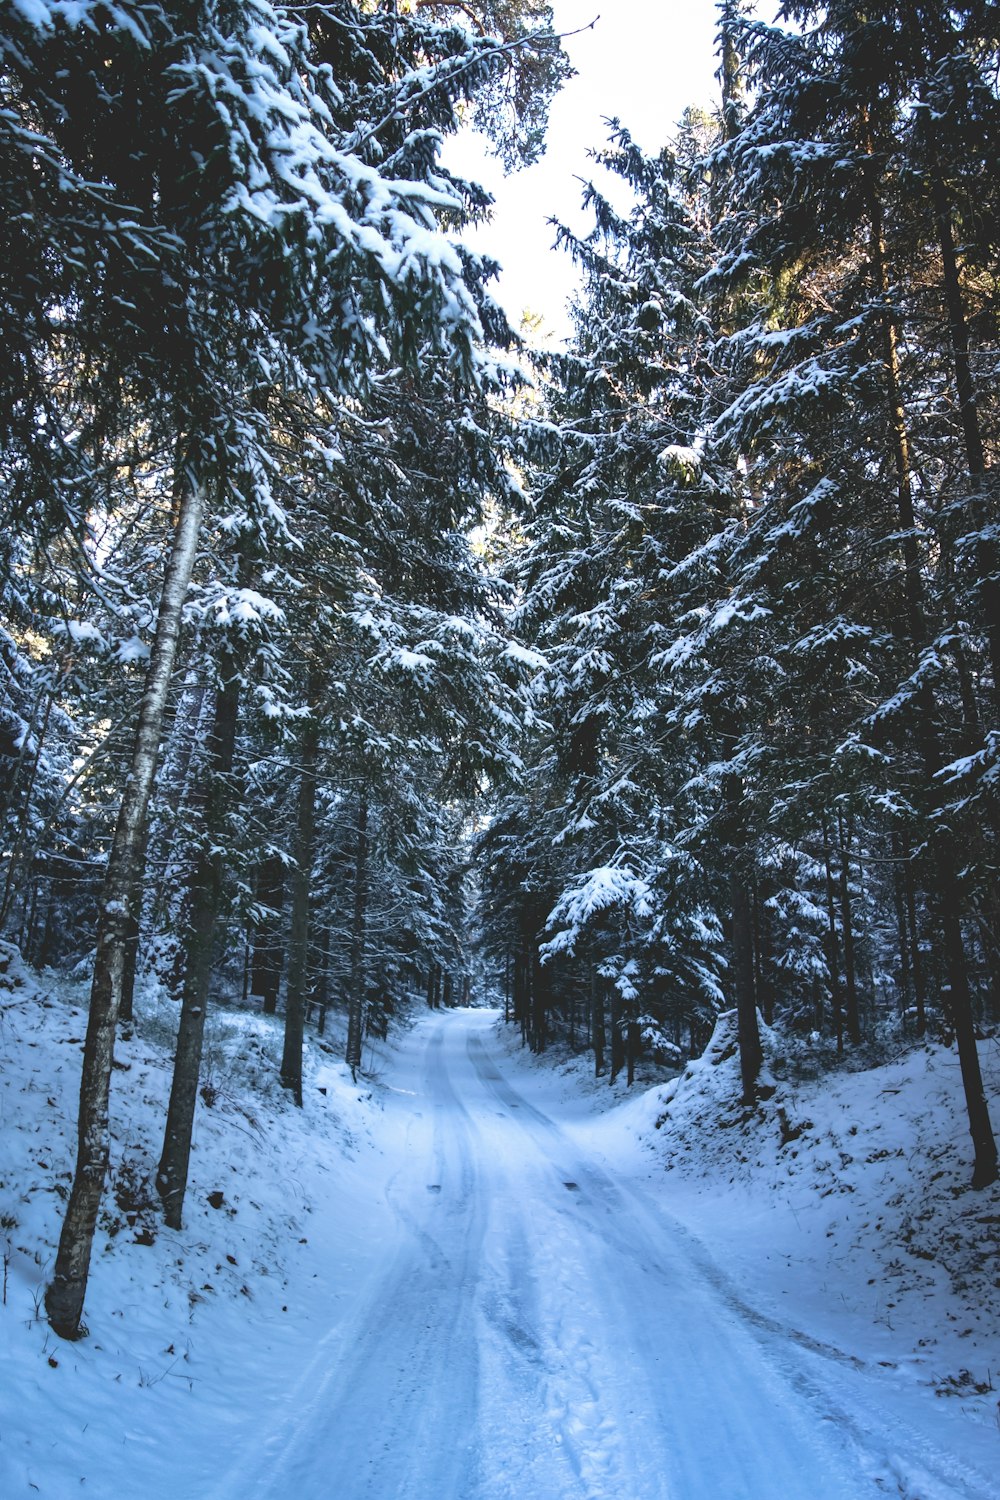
530 1328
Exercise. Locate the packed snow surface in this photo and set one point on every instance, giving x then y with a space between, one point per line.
460 1283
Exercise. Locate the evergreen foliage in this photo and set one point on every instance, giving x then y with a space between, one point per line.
338 669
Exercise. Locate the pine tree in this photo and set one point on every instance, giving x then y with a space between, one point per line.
307 264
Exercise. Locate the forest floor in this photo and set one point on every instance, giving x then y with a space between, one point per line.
472 1277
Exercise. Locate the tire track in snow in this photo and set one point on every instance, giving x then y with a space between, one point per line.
536 1330
386 1407
888 1457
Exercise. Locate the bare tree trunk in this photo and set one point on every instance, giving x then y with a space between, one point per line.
832 948
265 964
906 987
356 997
762 986
631 1047
65 1295
597 1022
919 976
958 331
126 1008
21 838
166 855
617 1036
321 990
298 937
751 1052
944 864
539 1030
201 912
984 1170
852 1014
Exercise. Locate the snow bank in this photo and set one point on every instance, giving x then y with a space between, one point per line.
844 1196
189 1331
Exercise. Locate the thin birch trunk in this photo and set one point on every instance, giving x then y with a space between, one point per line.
65 1294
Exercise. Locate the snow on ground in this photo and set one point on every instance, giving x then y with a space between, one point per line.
843 1196
188 1330
469 1278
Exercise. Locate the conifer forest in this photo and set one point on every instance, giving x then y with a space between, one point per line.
371 664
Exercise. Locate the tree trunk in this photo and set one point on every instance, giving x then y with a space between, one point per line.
919 974
201 912
65 1295
631 1047
356 998
762 986
321 988
617 1035
944 871
539 1032
741 932
167 856
975 453
984 1170
126 1008
522 991
751 1053
597 1022
265 966
298 937
902 933
21 838
852 1014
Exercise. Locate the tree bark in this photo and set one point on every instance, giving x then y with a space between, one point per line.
201 911
984 1170
762 986
265 964
852 1014
539 1030
919 976
833 948
65 1295
617 1035
975 452
301 879
631 1047
356 998
944 870
126 1008
597 1022
751 1053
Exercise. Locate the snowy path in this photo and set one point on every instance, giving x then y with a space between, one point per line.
534 1331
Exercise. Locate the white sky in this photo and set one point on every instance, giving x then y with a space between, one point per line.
644 62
